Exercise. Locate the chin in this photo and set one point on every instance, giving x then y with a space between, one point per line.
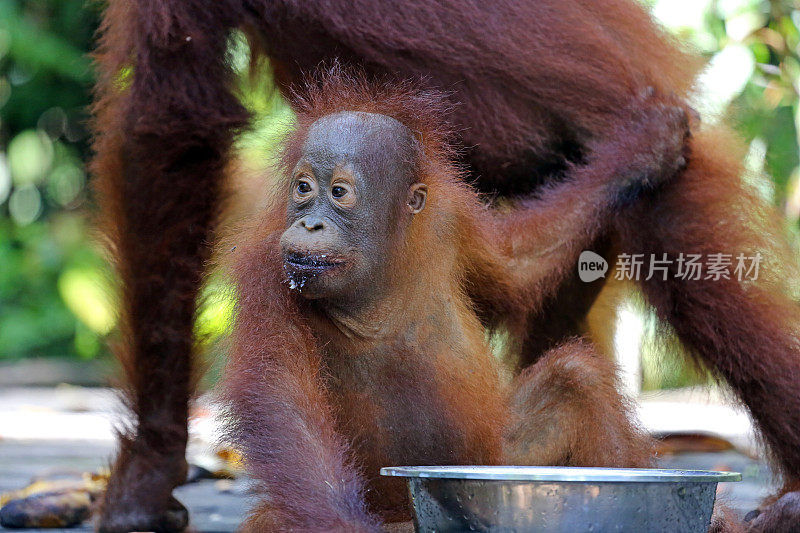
313 276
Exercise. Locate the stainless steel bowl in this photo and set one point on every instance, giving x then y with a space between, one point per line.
538 498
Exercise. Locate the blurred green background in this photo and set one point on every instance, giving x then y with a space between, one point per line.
56 298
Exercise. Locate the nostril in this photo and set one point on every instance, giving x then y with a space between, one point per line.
312 225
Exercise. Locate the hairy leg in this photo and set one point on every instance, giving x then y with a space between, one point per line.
164 124
745 331
567 411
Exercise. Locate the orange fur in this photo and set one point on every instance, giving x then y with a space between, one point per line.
580 420
318 405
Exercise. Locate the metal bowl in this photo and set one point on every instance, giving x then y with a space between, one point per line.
538 498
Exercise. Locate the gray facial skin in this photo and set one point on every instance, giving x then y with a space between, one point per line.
349 204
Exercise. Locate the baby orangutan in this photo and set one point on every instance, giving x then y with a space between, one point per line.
361 336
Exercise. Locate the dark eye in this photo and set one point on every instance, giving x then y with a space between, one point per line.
304 187
338 191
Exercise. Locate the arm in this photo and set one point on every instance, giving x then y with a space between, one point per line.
278 413
546 234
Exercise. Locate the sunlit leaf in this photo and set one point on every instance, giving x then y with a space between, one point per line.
215 316
89 298
30 155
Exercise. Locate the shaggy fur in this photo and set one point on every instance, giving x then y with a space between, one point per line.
317 408
535 85
162 143
566 411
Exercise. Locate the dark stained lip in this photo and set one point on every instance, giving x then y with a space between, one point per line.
309 262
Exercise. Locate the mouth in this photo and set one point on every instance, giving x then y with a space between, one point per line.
302 268
310 263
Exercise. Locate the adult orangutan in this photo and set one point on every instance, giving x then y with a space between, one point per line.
536 88
357 343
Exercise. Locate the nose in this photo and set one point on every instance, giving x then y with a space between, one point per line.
312 224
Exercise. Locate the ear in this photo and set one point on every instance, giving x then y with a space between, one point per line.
417 195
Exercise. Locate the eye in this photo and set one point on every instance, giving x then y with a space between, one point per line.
342 193
304 188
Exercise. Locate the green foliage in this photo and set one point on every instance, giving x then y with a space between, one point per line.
50 270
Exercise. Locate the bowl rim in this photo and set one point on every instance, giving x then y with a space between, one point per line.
561 474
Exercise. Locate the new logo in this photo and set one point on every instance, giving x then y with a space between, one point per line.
591 266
